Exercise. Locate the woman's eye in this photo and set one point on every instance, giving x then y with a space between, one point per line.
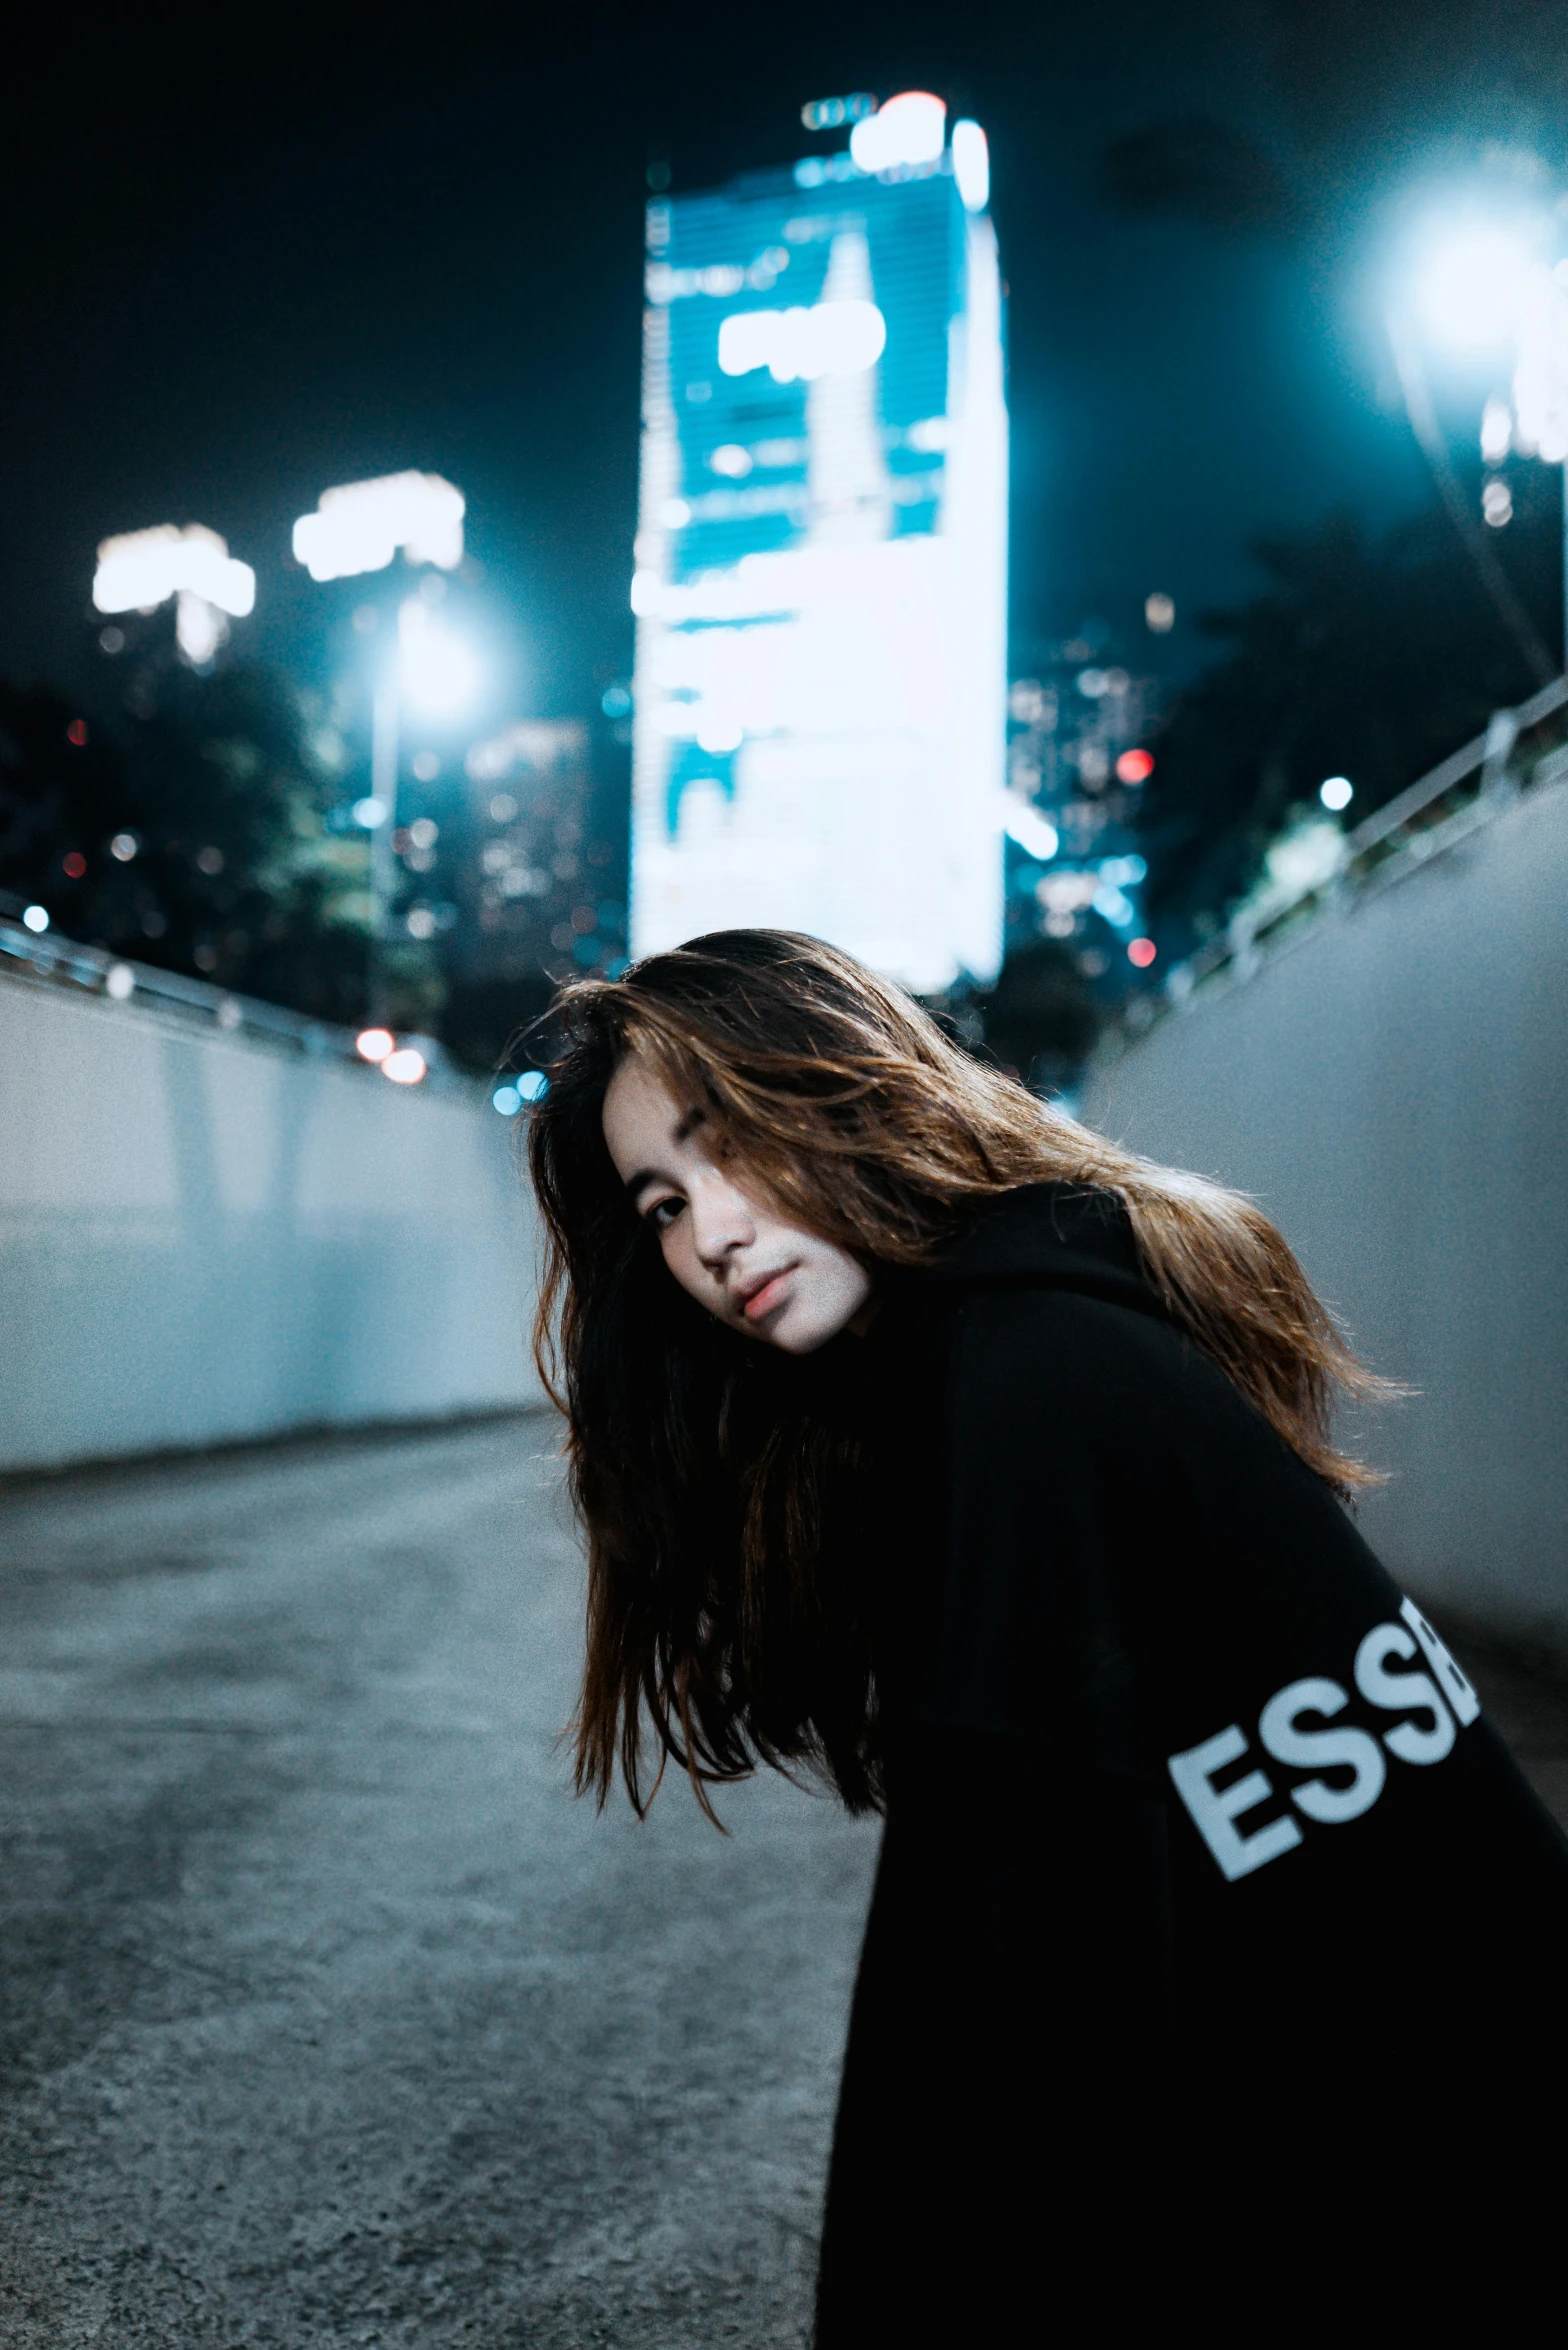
664 1212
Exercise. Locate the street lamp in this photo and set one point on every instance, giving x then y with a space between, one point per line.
1486 288
193 568
430 669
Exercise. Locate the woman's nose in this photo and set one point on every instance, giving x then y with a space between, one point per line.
721 1222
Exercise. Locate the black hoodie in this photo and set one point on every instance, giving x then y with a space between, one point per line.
1217 1968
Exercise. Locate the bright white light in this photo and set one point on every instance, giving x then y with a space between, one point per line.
1337 792
360 526
1031 830
910 128
1159 613
421 922
123 847
1476 284
369 813
199 628
1497 504
719 734
143 568
404 1067
36 919
732 461
374 1044
972 165
1306 857
437 670
1497 431
799 345
119 983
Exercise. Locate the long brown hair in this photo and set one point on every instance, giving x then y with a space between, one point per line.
705 1467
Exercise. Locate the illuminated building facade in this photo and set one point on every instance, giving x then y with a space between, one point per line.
821 567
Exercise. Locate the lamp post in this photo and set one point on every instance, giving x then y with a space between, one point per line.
360 527
192 568
430 669
1486 287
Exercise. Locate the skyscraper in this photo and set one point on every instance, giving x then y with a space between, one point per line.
821 558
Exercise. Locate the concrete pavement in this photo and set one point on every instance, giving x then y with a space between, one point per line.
326 2014
329 2016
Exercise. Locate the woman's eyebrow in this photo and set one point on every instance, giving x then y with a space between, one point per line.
685 1126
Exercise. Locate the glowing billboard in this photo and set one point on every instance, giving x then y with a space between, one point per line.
821 560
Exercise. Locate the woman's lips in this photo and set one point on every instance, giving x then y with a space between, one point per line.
762 1301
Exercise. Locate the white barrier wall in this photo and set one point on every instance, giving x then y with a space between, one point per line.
1394 1089
205 1238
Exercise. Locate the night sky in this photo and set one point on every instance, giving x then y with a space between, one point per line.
249 254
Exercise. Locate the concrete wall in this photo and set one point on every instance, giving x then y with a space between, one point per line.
204 1238
1394 1089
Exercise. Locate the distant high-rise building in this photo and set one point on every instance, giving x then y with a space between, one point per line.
821 564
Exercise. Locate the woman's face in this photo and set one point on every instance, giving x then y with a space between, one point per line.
738 1259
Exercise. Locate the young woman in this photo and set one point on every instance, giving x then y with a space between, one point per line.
1214 1971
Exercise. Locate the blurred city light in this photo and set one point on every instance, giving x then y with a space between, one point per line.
1337 792
507 1100
1306 856
1497 504
1032 831
1159 613
35 919
119 983
142 569
1475 284
909 129
1141 953
199 628
533 1085
361 526
800 345
1134 767
404 1067
437 671
972 165
368 813
831 114
1497 431
374 1044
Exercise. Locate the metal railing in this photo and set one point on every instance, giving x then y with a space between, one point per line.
47 959
1520 750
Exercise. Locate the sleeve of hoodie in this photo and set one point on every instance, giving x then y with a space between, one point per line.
1244 1781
